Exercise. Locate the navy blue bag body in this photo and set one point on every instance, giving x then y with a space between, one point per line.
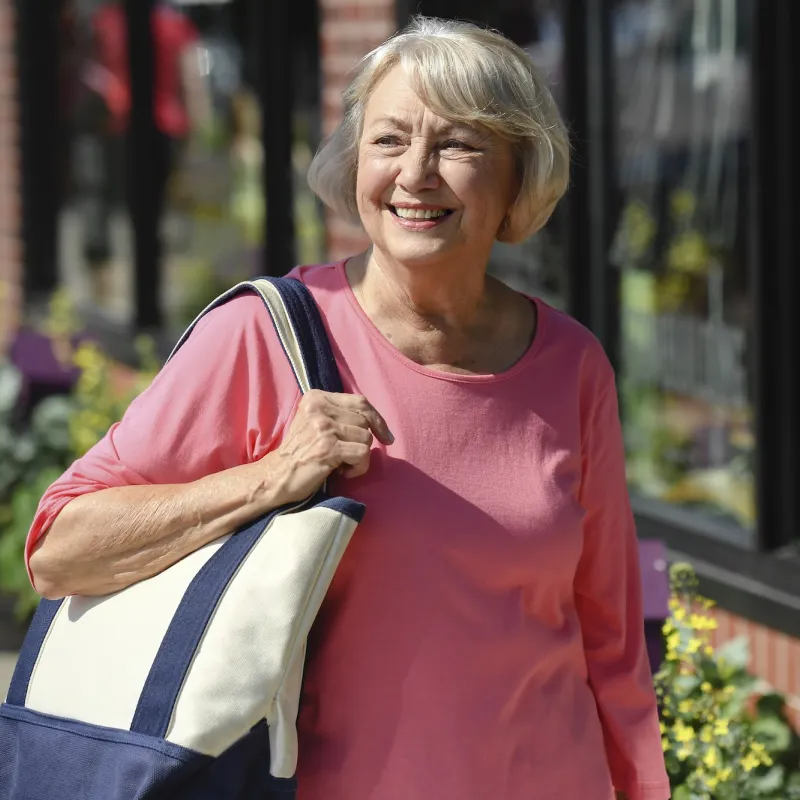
186 686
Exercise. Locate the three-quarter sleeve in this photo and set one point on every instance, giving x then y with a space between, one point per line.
220 402
609 602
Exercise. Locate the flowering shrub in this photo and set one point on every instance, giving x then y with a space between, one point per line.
722 741
60 429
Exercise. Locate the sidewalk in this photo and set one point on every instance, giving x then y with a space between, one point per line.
7 661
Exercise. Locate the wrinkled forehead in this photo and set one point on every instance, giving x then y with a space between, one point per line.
407 102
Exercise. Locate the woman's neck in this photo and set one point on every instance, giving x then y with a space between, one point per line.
471 324
447 297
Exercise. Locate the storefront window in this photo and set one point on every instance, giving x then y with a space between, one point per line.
95 236
682 77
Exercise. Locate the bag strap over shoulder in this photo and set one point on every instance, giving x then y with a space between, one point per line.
299 326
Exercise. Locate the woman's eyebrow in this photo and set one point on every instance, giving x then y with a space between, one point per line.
389 119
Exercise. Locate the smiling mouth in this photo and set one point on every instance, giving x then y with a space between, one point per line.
420 214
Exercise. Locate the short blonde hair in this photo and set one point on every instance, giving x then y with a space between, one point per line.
467 74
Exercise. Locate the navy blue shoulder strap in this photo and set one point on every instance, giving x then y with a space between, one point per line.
311 334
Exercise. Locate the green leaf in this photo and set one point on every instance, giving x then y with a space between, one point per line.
770 782
773 733
50 423
735 654
772 703
10 388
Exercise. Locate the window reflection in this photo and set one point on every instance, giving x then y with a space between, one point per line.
95 241
212 227
682 98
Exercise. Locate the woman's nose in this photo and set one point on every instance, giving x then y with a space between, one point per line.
418 169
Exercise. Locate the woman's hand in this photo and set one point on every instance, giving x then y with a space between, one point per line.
329 432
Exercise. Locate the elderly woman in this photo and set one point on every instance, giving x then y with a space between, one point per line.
483 637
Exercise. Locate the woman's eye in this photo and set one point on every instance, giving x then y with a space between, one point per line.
388 141
455 144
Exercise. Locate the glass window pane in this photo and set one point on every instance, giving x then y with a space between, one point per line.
95 235
212 227
683 93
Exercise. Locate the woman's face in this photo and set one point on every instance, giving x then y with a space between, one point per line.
429 189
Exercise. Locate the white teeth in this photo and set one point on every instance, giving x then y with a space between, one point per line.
415 213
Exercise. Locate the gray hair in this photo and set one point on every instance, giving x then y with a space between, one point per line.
466 74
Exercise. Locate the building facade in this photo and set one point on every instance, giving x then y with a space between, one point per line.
675 243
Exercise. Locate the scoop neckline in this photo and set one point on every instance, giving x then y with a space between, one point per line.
452 377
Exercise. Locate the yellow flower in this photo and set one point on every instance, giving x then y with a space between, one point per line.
721 727
711 758
683 733
750 762
706 734
760 752
705 687
673 640
685 706
683 753
694 645
679 613
701 623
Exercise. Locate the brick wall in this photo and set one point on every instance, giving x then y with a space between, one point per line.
774 657
9 180
350 29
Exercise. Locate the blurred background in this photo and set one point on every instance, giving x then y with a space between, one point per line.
154 153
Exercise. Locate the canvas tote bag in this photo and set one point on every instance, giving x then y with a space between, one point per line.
187 684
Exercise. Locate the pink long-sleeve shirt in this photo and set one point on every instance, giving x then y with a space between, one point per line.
483 637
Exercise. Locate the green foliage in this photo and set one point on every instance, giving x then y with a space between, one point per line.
722 739
61 428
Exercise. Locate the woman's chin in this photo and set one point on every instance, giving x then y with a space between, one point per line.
422 251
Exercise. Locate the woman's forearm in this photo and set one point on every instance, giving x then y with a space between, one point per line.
104 541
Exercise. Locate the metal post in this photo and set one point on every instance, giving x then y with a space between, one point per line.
592 198
276 97
141 176
772 272
41 145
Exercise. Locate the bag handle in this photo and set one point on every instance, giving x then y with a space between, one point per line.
300 329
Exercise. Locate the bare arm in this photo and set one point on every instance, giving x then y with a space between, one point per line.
106 540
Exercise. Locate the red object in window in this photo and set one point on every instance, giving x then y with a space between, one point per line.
172 33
